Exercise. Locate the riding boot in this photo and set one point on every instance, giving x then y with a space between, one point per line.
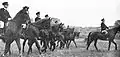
4 28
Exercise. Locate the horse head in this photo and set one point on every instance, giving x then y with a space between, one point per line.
21 17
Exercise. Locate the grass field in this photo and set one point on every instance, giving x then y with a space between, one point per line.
72 52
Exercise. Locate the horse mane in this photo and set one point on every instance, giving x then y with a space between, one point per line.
44 23
21 17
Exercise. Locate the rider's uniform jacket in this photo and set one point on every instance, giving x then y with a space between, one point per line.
103 26
4 15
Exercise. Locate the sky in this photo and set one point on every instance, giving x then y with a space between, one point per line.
83 13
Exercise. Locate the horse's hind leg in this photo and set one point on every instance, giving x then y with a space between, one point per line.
95 44
57 43
109 45
19 46
24 45
75 43
37 45
69 42
115 44
30 43
88 44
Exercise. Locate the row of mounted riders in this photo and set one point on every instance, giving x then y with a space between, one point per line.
50 36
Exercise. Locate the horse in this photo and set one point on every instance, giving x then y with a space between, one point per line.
69 36
66 37
13 30
30 33
72 38
51 35
57 31
109 36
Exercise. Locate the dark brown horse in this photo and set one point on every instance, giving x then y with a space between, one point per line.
57 30
72 38
67 36
13 30
30 33
110 36
51 35
36 31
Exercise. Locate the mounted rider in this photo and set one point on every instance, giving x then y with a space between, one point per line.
4 14
38 16
103 26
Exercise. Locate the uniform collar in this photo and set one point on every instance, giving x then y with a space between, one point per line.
5 8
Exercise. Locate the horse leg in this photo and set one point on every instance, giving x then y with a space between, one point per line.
30 43
109 45
19 46
41 42
61 45
89 44
44 46
7 47
47 43
52 45
9 52
37 45
114 44
57 43
75 43
95 44
68 44
24 45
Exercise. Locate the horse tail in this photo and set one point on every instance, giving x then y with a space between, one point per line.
88 39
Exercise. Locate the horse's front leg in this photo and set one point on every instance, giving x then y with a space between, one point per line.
7 47
9 52
95 44
109 45
69 43
19 46
24 45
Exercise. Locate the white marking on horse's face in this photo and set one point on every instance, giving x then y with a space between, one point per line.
24 25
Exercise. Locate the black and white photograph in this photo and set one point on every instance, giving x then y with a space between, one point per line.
59 28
